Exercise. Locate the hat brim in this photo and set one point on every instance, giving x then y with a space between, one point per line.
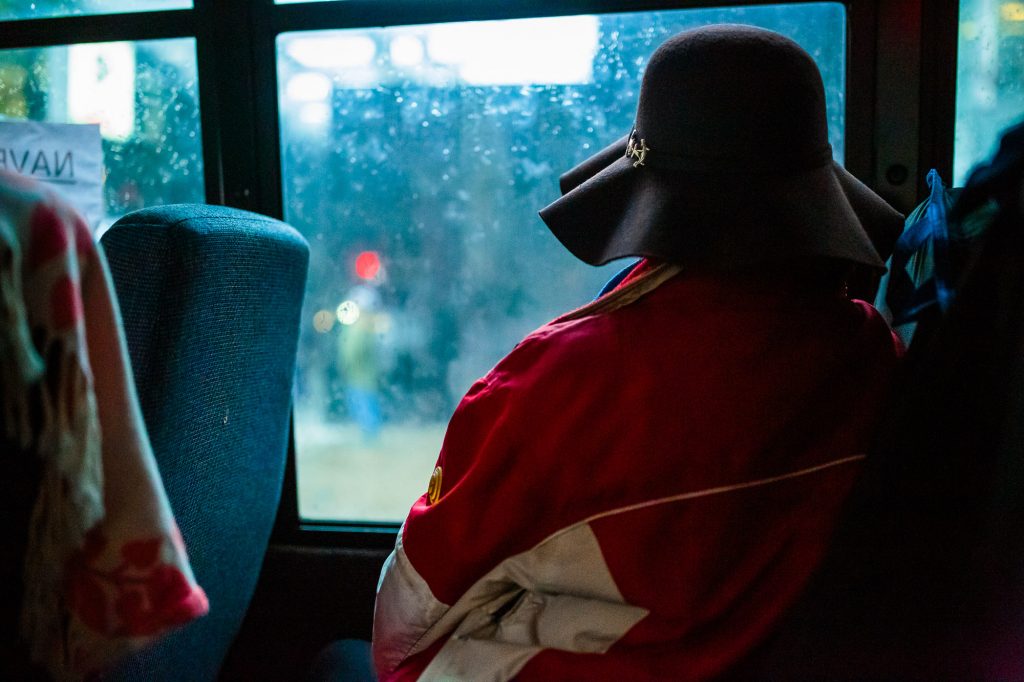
612 210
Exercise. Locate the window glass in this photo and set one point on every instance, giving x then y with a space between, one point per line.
415 160
990 79
36 9
145 97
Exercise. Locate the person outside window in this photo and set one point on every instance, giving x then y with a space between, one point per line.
359 361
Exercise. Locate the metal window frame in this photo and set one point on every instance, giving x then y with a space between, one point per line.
901 53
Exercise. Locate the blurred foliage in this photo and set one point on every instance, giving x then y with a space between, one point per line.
161 161
444 179
36 9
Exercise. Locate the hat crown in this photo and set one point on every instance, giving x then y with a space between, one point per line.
728 165
734 95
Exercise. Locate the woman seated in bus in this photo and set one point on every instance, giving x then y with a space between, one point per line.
641 487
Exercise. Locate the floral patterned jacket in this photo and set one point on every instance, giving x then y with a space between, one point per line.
105 569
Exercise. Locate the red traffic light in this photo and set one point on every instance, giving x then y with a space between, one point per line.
367 264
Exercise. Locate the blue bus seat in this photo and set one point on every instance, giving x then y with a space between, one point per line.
211 299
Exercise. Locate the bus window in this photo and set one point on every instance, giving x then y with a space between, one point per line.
37 9
144 95
414 159
990 79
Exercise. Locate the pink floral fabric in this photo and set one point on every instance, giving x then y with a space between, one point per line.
106 570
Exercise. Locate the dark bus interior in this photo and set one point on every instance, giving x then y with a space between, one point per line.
410 143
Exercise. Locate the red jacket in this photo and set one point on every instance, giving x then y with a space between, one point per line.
638 490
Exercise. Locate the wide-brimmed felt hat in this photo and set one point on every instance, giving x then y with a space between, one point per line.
728 164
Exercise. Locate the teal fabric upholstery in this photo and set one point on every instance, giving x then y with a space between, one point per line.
211 299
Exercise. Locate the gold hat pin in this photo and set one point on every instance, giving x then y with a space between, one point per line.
638 152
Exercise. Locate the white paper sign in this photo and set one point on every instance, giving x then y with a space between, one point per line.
67 157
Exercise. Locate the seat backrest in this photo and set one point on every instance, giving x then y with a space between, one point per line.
211 299
925 576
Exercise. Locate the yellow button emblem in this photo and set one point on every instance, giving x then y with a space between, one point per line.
434 487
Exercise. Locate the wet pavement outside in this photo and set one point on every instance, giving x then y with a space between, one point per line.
344 476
